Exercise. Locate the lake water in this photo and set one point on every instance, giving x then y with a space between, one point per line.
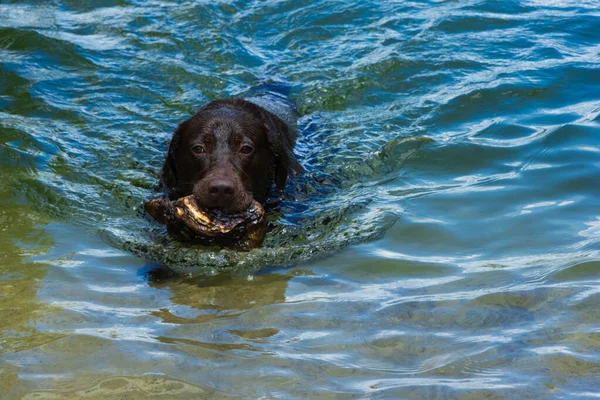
443 243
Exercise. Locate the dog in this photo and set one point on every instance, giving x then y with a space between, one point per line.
228 154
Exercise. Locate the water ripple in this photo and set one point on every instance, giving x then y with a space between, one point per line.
442 243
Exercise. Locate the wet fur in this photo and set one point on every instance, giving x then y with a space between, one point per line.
221 127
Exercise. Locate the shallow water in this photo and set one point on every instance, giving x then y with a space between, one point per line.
444 242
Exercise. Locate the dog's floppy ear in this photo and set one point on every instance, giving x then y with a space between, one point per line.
168 174
281 142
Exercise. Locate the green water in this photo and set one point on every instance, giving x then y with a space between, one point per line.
443 243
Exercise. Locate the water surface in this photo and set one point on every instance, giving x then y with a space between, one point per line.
444 242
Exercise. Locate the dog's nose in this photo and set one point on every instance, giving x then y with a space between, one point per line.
221 191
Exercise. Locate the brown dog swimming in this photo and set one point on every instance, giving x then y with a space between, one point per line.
227 156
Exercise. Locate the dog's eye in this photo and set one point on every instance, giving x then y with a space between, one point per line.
197 149
246 149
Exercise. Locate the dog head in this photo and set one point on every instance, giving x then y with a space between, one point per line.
229 153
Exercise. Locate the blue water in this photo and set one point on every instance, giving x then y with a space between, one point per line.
443 243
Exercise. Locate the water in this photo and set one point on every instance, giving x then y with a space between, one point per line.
444 242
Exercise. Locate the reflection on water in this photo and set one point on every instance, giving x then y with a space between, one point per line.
222 296
443 243
21 238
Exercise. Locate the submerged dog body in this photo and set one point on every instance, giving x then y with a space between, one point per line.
228 154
